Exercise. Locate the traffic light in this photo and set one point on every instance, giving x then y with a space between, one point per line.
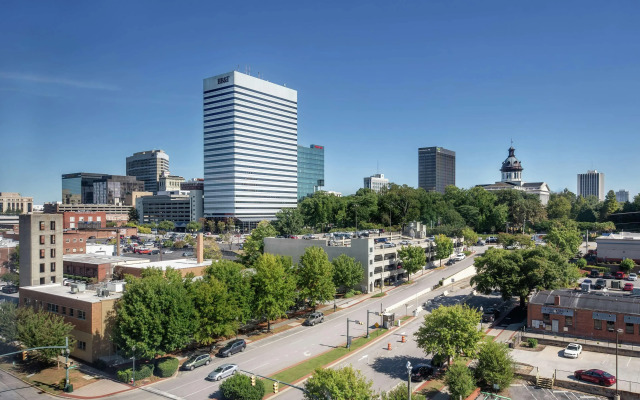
359 323
275 387
24 355
253 380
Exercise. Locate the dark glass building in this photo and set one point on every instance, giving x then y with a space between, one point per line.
436 168
310 170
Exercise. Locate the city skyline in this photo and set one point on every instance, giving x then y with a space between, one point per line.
468 79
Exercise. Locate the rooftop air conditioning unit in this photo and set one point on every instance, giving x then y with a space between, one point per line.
74 288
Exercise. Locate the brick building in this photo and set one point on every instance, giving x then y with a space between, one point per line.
75 242
96 266
587 315
92 315
84 220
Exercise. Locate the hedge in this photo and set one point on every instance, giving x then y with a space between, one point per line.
166 367
142 372
238 387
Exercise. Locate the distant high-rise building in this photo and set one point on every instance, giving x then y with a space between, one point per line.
168 182
622 196
89 188
376 182
310 170
40 249
148 166
591 184
250 148
436 168
77 188
13 202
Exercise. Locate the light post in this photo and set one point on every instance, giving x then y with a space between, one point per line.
133 370
370 312
618 332
481 312
409 378
355 321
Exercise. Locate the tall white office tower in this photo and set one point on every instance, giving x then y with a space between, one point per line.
250 148
591 184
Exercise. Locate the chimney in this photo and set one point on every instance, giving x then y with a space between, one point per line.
556 300
200 248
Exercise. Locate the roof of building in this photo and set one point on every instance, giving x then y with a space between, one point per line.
620 236
179 263
511 163
98 259
8 242
603 301
57 289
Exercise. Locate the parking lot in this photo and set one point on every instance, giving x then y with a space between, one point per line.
528 392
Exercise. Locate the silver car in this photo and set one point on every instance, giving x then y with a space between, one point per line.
222 371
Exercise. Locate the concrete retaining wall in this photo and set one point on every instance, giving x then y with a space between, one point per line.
586 347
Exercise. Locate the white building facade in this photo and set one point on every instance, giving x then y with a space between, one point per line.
591 184
250 147
376 182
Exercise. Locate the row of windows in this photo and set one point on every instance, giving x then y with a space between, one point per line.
236 122
73 250
52 253
597 324
242 114
63 310
52 225
249 90
234 134
75 240
52 239
283 147
236 100
236 106
235 118
52 267
238 153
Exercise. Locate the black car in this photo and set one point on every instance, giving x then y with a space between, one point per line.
421 372
9 289
600 284
232 347
607 275
451 261
490 314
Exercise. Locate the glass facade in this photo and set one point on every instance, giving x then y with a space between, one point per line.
310 170
436 168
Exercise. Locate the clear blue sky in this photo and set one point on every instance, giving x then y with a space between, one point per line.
83 84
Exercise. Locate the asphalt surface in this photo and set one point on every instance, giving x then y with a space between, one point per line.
14 389
528 392
300 343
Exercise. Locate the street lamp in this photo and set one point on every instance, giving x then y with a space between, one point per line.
133 370
409 378
355 321
370 312
481 312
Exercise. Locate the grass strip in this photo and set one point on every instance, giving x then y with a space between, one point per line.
306 367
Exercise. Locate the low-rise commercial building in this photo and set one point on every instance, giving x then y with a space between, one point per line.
586 315
177 208
114 213
97 266
84 220
618 246
376 182
15 203
75 242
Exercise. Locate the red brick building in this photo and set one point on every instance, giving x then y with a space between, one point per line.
587 315
74 242
84 220
98 266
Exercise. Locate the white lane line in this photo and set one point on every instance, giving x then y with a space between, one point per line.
210 388
530 392
363 357
261 365
551 393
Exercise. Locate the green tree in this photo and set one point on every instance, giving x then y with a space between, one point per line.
413 258
558 207
214 313
289 221
564 237
274 286
37 328
400 392
444 247
495 365
153 314
10 277
347 272
166 226
627 265
144 229
609 206
315 276
193 226
254 243
470 237
450 331
237 280
238 387
339 384
167 244
221 226
518 272
210 250
459 379
8 322
134 216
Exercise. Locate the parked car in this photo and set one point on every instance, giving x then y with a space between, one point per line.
91 237
594 273
628 287
404 243
421 372
185 254
9 289
632 277
222 371
490 314
480 242
600 284
314 318
232 347
450 261
196 360
589 281
573 350
167 251
607 275
387 245
155 251
596 376
619 275
459 257
492 239
379 240
308 236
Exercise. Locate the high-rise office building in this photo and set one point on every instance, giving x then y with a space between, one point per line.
591 184
77 188
436 168
250 148
89 188
622 196
148 166
376 182
310 170
40 249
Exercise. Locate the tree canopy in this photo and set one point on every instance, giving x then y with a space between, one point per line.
339 384
459 379
495 365
274 286
413 258
444 247
315 276
37 328
254 244
289 221
347 272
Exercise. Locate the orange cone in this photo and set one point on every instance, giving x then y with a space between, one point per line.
389 346
404 339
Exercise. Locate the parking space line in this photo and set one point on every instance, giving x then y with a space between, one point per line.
552 394
530 392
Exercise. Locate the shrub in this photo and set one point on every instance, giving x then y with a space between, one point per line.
166 367
238 387
627 265
349 294
357 292
495 366
460 380
142 372
532 342
581 263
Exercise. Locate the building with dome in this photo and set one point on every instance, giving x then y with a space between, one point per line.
511 171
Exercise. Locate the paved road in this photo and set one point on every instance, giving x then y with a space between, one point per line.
14 389
270 355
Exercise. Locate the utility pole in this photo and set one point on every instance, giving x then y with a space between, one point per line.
409 379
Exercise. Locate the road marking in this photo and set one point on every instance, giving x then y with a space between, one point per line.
259 366
530 392
628 361
551 393
307 353
363 357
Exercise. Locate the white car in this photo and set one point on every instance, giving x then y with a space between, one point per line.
632 277
167 251
308 236
459 257
573 350
405 243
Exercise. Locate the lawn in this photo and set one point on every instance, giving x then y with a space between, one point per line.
47 379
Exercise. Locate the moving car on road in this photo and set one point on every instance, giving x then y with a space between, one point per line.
421 372
459 257
222 371
196 360
232 347
595 376
573 350
314 318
